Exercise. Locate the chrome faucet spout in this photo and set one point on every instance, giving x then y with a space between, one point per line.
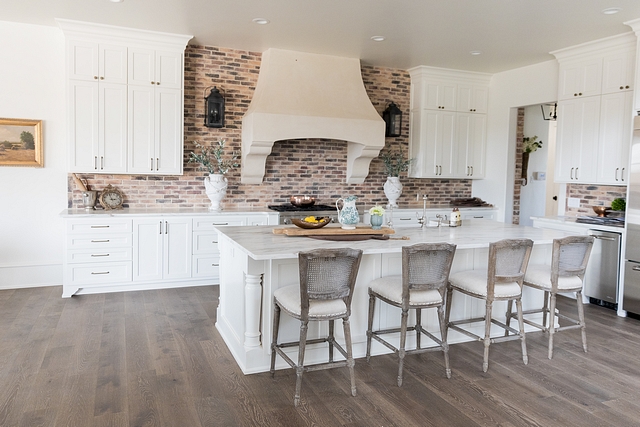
423 219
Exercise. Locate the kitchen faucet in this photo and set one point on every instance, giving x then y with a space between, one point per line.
423 219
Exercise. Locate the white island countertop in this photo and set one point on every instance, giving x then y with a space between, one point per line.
260 243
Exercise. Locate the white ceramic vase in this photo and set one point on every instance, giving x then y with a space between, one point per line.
393 190
216 188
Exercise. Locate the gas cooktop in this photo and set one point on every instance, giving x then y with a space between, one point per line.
288 207
610 221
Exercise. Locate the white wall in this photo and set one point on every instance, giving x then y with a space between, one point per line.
532 195
32 86
535 84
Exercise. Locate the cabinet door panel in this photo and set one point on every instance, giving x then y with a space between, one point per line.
83 126
113 128
141 66
615 134
113 64
169 69
588 149
82 60
446 147
148 241
471 139
618 72
566 144
141 129
177 249
168 133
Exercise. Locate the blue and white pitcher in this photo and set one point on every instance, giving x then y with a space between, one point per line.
348 215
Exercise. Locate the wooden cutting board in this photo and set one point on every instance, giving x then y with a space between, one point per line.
331 230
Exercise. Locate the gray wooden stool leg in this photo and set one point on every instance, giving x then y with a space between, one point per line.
274 337
300 367
331 339
403 342
372 305
487 336
583 326
350 362
418 326
545 311
552 323
525 357
445 345
508 316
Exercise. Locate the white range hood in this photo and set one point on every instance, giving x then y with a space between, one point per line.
303 95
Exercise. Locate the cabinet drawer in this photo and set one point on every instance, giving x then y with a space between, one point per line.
110 255
209 223
99 241
206 266
97 226
205 242
99 273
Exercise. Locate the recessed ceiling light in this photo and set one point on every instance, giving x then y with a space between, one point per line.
377 38
475 52
260 21
611 10
116 1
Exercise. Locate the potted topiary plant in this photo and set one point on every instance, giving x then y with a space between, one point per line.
394 164
212 158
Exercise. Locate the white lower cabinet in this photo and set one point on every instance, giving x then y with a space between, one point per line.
162 248
121 252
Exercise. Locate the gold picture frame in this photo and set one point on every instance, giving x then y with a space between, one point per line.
21 143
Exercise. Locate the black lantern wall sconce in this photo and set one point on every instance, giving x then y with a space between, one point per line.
392 117
553 112
214 109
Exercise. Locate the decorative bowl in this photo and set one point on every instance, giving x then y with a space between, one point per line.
311 225
302 201
600 210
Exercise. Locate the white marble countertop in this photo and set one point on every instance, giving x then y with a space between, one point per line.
162 210
260 243
570 221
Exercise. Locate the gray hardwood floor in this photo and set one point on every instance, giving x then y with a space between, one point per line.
154 358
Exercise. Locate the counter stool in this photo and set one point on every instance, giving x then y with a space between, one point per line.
327 279
423 283
566 274
501 281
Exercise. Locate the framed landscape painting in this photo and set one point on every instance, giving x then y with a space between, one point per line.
21 142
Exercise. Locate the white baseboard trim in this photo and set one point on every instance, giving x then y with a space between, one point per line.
30 276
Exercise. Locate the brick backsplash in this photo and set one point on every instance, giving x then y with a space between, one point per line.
592 195
309 166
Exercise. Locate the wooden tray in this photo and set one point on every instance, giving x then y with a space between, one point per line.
332 230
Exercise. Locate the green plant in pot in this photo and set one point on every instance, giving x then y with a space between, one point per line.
619 204
212 158
394 164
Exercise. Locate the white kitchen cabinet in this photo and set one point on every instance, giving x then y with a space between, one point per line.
618 70
447 136
433 144
614 138
155 130
92 61
98 252
142 118
472 98
471 138
408 218
577 140
148 67
580 78
97 127
162 248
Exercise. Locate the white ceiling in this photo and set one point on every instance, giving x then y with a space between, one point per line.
440 33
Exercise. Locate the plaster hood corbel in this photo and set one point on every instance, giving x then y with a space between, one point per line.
303 95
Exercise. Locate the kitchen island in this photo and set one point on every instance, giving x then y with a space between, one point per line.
254 262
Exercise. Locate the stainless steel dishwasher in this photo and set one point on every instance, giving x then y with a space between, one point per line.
603 270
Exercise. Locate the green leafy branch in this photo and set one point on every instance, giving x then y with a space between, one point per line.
394 162
211 158
530 144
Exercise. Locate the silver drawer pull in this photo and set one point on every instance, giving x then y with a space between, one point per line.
100 241
636 268
216 265
220 223
99 272
478 217
611 239
214 241
405 219
97 255
99 226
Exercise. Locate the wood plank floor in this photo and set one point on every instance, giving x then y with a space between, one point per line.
154 358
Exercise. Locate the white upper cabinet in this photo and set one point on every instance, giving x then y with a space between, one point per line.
131 120
583 78
447 133
155 67
594 126
618 72
472 98
92 61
